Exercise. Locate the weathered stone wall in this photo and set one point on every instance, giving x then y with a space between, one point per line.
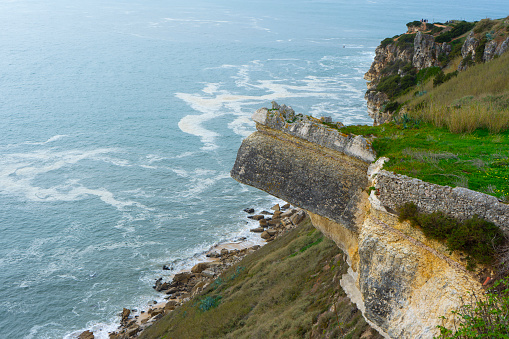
395 189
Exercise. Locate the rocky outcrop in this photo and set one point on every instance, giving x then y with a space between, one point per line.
375 102
502 47
489 51
384 55
262 161
401 281
425 53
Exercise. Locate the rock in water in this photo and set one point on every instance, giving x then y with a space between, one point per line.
125 315
275 207
86 335
249 210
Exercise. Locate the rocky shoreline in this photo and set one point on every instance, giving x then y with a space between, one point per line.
187 284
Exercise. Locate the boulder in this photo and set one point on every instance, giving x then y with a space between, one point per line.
256 217
183 277
166 267
265 235
263 222
271 232
286 206
257 230
199 267
208 273
224 252
125 315
86 335
249 210
276 214
275 207
213 255
266 212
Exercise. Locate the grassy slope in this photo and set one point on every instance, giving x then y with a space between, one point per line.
284 290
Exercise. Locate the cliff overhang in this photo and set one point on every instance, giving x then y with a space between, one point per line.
400 280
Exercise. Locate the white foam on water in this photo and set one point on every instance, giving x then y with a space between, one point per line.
213 102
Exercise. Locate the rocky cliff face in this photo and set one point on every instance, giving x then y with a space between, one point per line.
400 280
425 53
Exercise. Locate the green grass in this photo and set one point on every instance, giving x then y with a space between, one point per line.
477 160
286 289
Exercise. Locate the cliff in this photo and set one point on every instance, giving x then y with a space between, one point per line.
400 280
398 60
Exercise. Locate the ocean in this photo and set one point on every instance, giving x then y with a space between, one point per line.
120 122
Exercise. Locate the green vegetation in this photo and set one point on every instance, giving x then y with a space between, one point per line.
477 238
415 23
287 289
459 28
477 160
484 316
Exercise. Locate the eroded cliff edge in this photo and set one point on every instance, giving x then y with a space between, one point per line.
401 281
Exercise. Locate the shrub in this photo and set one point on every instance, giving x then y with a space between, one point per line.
484 316
459 29
415 23
426 73
441 77
386 41
475 237
406 42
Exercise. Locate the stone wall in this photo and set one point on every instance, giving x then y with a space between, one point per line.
394 190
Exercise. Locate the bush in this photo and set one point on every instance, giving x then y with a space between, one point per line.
426 73
441 77
475 237
482 316
386 41
459 29
415 23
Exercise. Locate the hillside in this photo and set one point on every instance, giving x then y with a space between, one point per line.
287 289
410 69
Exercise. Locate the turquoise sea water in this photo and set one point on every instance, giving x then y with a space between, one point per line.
120 122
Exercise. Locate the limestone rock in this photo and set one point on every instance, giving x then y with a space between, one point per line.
275 208
489 51
182 278
249 210
256 217
423 51
198 268
86 335
257 230
125 315
265 235
263 222
503 47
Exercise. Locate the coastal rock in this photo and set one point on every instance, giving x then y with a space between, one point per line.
198 268
256 217
249 210
424 48
208 273
263 222
503 47
489 51
276 208
182 278
271 232
86 335
125 315
286 206
257 230
265 235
